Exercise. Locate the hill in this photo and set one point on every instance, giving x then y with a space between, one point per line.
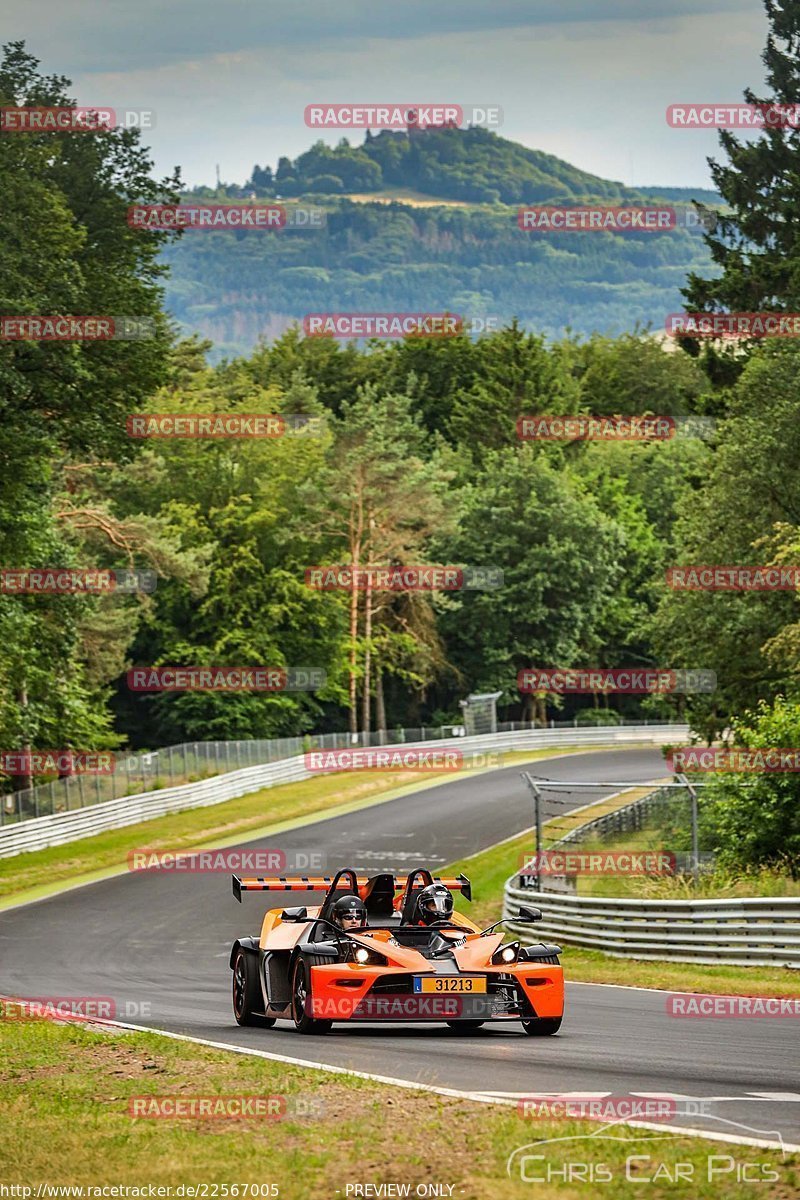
465 254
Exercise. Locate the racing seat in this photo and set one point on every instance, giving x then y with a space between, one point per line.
379 895
416 881
345 883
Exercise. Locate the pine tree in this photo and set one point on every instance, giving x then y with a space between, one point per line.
757 244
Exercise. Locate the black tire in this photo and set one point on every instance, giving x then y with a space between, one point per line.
542 1026
466 1026
247 992
301 1002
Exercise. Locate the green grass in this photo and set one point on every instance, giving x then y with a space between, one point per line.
42 872
718 883
72 1127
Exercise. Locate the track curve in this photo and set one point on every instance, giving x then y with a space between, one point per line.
162 940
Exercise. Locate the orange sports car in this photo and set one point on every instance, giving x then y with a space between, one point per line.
389 949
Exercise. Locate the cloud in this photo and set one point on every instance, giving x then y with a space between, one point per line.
587 80
106 35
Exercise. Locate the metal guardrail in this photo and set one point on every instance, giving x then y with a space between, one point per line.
188 762
57 828
746 932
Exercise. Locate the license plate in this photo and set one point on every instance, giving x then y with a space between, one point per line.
448 983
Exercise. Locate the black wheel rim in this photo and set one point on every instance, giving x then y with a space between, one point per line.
239 986
300 993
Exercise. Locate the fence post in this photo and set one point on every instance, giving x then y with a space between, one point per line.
695 841
537 802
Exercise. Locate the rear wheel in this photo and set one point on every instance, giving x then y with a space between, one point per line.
247 993
466 1026
302 1002
542 1026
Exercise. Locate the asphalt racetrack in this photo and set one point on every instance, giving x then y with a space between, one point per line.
162 939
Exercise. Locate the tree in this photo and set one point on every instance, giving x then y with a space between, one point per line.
65 249
635 374
744 509
384 493
755 243
236 515
515 374
752 819
560 558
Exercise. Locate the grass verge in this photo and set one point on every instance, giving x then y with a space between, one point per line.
42 872
73 1128
717 883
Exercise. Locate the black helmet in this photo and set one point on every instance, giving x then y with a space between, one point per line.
435 903
350 909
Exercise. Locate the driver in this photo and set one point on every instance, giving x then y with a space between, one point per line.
349 913
435 903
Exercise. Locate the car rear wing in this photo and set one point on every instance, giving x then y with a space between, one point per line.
323 883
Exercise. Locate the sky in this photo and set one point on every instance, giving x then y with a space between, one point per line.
229 80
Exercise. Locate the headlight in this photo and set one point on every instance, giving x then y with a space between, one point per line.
364 955
506 954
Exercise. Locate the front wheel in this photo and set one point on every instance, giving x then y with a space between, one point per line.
247 993
302 1002
542 1026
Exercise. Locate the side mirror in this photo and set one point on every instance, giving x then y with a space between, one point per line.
295 914
526 913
